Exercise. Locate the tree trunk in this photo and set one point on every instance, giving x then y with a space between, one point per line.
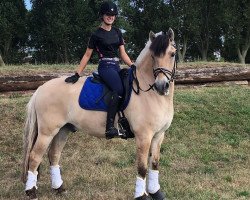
185 39
204 55
7 46
180 58
242 54
66 59
1 61
204 48
182 53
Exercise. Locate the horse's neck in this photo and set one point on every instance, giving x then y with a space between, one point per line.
144 60
144 64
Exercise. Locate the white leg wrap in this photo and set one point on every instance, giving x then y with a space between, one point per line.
56 179
140 187
153 181
31 180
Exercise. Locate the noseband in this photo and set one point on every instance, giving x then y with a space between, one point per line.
170 75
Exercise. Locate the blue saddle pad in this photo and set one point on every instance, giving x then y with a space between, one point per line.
92 95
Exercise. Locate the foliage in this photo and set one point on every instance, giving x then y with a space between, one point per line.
184 24
13 30
237 28
59 29
138 15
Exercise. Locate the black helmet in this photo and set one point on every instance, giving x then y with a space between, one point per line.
108 8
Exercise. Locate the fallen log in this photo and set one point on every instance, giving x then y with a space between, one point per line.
183 77
23 83
208 75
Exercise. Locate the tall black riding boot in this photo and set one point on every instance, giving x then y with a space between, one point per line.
111 131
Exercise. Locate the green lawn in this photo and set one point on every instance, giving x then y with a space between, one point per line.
28 69
205 154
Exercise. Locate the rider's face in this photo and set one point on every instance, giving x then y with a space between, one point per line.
109 19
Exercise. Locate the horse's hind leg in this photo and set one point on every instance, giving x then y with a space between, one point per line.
153 173
54 155
45 136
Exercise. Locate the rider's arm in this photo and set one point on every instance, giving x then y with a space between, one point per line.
124 56
84 60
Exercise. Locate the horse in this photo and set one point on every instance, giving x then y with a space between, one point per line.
53 111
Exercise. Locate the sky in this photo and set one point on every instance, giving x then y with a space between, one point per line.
28 4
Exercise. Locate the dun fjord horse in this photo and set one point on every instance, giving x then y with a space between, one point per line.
55 105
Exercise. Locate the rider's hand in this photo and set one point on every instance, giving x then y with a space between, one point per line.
133 66
72 79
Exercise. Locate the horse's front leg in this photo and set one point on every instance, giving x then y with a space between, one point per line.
153 186
143 141
54 155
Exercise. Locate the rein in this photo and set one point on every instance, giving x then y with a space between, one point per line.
156 72
138 88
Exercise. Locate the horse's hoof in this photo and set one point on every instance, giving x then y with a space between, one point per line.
144 197
32 193
61 190
158 195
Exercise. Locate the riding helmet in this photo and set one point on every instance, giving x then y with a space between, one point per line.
108 8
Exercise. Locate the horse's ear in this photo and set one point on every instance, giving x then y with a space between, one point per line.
171 34
151 35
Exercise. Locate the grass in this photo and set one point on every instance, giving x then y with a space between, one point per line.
28 69
205 154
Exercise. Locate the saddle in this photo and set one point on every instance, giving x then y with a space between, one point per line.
95 95
107 93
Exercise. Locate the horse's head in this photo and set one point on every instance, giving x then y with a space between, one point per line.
163 53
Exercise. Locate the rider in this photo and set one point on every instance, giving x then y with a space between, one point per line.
106 41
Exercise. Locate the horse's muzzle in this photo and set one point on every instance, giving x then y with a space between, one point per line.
162 87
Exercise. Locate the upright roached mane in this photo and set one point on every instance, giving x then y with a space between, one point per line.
160 44
53 110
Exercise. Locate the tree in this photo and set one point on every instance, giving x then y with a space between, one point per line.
208 16
185 25
237 29
50 30
140 17
60 29
13 31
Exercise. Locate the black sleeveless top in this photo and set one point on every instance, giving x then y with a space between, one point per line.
106 43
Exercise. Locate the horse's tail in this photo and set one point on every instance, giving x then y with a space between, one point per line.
30 135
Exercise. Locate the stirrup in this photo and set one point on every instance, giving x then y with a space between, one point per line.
114 133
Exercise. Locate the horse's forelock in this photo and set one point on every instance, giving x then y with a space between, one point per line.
159 45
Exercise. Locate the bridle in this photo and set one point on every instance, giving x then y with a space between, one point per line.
166 72
170 75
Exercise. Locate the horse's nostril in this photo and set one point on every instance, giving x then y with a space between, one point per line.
167 85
